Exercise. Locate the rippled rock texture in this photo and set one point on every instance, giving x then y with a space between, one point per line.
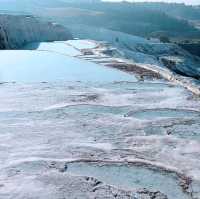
72 126
107 140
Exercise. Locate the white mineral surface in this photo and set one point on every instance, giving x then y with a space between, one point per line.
72 128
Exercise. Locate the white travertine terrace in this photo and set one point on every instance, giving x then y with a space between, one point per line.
133 138
16 31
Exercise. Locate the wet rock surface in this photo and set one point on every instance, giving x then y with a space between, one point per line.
141 50
134 139
47 180
112 140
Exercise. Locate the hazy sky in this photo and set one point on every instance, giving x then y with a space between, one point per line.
194 2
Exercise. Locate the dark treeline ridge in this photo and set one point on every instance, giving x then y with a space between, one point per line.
144 19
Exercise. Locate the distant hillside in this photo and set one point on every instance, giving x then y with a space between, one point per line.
132 18
142 19
173 9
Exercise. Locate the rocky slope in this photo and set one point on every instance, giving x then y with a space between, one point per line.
141 50
16 31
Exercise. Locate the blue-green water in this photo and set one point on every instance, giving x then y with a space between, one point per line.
36 66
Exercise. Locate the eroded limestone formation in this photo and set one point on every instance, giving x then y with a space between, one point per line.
16 31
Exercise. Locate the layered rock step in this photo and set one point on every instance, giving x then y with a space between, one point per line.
74 128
